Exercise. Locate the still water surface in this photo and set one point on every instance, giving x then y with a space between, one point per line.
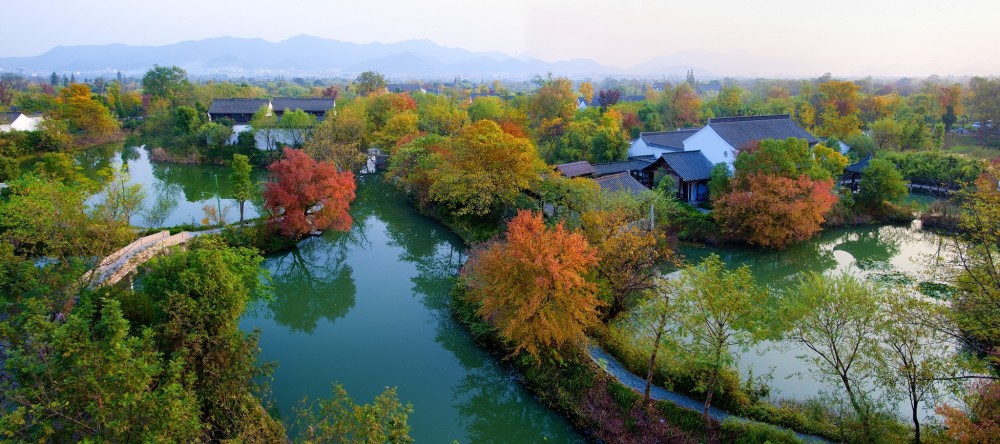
368 309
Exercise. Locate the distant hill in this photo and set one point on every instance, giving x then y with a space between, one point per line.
298 56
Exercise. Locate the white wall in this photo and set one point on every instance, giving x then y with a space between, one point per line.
712 146
638 147
22 123
279 139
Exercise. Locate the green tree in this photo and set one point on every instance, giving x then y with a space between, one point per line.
340 420
652 321
119 199
977 304
716 309
837 320
243 187
881 182
165 82
369 82
718 182
298 125
199 296
265 123
88 378
917 350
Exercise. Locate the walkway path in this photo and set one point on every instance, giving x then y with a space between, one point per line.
612 367
119 264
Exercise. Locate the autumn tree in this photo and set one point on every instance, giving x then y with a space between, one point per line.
338 139
608 97
773 211
686 106
839 112
532 287
979 421
484 170
716 309
306 195
629 253
587 91
780 193
243 187
552 105
84 114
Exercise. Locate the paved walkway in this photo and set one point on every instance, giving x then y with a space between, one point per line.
637 383
119 264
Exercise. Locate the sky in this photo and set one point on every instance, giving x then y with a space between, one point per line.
847 37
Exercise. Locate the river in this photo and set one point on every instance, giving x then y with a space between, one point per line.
368 309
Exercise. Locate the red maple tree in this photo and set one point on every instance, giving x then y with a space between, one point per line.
305 195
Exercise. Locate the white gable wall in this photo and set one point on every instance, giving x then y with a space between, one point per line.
639 147
22 123
715 149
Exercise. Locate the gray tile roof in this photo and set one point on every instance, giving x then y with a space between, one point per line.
280 104
308 105
9 117
574 169
626 166
739 132
668 139
860 166
620 182
689 165
236 106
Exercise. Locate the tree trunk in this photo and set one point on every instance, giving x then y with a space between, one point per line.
710 390
241 212
652 363
914 403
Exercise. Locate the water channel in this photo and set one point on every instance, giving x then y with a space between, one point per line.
368 308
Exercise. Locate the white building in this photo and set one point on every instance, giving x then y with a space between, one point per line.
16 121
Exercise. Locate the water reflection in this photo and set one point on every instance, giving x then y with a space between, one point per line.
311 282
369 309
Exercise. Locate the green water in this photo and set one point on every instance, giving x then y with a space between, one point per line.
369 309
883 254
192 186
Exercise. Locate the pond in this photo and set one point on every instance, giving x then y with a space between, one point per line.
191 186
369 309
888 254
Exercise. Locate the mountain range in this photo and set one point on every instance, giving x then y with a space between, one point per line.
309 56
306 55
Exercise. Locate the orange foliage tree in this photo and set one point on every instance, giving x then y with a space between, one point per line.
773 211
980 422
532 286
305 195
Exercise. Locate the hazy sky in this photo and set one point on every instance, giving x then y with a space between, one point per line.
844 37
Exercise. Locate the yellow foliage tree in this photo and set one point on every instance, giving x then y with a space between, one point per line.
532 286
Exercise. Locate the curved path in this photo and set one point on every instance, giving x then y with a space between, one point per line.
119 264
612 367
